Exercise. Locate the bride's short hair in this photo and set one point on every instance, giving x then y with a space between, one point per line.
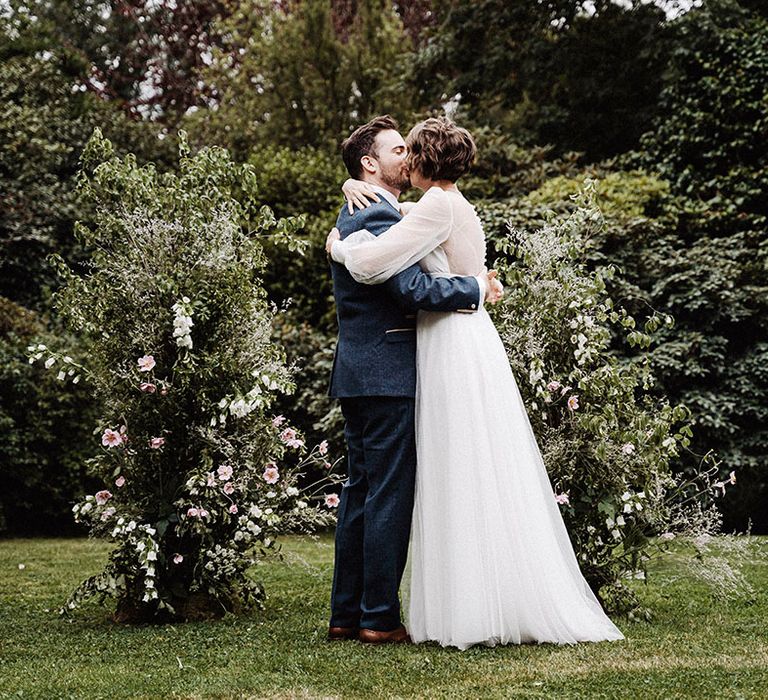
440 150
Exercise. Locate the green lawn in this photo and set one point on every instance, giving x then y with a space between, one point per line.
695 648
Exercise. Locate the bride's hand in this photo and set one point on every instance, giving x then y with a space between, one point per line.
334 235
358 194
494 290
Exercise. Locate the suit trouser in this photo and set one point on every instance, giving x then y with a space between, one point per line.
375 510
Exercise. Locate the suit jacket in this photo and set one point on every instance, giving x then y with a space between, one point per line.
376 349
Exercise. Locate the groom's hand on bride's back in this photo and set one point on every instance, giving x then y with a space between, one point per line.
494 290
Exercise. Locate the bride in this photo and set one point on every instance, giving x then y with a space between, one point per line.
490 558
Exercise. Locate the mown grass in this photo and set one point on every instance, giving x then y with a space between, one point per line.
694 648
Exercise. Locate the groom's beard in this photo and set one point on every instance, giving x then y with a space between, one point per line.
398 180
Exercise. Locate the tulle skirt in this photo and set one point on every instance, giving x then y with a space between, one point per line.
490 559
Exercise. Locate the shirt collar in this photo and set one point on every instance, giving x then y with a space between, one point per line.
387 195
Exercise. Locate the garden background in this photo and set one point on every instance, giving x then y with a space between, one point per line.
663 104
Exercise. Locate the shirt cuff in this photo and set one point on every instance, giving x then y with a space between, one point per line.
337 252
482 284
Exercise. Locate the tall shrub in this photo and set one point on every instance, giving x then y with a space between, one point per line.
183 364
608 445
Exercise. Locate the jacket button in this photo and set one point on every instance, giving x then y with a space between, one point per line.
474 306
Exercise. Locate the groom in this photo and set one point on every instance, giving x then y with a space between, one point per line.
374 377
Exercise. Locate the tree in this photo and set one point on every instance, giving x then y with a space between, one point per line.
709 143
298 74
551 71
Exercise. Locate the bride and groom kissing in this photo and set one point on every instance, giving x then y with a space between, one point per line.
444 472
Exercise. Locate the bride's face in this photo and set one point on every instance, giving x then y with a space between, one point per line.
417 179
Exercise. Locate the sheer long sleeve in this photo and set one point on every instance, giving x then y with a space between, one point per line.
375 259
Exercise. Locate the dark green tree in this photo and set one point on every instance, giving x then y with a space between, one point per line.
709 143
552 72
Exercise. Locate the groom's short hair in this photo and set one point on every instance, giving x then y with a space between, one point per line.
362 142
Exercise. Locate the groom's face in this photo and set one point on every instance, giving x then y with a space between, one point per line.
391 153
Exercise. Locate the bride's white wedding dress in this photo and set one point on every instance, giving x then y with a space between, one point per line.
490 559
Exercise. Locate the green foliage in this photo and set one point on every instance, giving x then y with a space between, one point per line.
607 443
183 364
45 121
43 432
711 271
297 74
310 353
551 72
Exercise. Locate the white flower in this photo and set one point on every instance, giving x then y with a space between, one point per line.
626 496
50 362
627 507
627 448
291 491
620 521
152 555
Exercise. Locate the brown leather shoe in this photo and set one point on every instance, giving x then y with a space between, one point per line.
337 634
398 636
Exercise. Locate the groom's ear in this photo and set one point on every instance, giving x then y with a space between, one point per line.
370 164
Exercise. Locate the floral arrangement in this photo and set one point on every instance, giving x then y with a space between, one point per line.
199 477
608 443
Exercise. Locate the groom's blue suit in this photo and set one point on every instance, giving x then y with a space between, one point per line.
374 376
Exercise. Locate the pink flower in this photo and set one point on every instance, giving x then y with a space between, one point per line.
177 558
211 479
627 448
277 421
193 512
332 500
224 472
156 443
204 513
322 448
111 438
564 390
271 475
102 497
148 387
573 402
107 514
229 488
553 385
146 363
233 508
288 434
120 481
295 444
327 465
562 499
163 391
